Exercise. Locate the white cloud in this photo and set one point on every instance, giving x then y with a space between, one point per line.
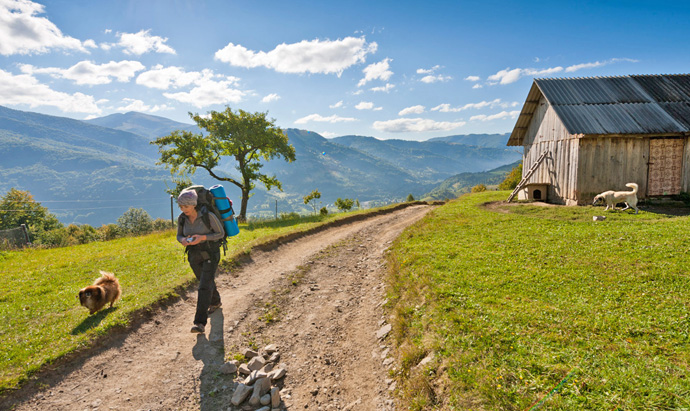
23 32
140 43
434 79
210 90
24 89
316 56
509 76
321 119
419 109
577 67
388 87
446 108
472 78
327 134
138 105
207 89
477 86
163 78
502 114
428 71
404 125
88 73
271 97
376 71
367 105
337 105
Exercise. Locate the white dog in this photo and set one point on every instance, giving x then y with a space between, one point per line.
614 197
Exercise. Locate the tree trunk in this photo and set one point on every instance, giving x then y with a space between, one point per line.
243 207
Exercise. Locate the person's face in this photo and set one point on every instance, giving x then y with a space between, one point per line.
188 210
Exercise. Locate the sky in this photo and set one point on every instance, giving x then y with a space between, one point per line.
408 70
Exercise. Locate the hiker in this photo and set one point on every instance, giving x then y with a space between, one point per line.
203 252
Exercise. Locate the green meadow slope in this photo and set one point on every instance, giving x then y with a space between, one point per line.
524 306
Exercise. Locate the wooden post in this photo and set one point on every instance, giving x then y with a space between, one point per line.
26 233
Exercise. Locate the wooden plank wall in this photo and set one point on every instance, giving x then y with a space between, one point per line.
685 179
559 170
608 163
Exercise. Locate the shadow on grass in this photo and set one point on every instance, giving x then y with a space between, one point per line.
92 321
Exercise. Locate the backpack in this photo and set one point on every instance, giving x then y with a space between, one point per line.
206 204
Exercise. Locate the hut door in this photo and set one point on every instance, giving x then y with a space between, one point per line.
665 166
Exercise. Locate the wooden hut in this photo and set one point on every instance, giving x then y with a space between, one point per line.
600 133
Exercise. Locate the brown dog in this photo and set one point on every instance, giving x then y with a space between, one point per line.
105 289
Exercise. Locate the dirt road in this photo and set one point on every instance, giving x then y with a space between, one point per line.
318 299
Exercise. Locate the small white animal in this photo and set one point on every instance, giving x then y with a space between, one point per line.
611 198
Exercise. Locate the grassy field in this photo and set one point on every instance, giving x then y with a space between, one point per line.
529 307
39 311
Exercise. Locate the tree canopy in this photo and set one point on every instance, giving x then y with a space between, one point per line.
249 138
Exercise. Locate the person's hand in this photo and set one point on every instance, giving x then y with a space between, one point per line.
195 239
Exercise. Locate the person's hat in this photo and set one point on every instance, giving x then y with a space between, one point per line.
187 198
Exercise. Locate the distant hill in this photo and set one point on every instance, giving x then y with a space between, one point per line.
432 159
462 183
84 173
479 140
142 124
91 172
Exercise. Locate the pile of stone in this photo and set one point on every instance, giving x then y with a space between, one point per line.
256 389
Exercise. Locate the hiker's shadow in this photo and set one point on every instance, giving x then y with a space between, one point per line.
211 352
92 321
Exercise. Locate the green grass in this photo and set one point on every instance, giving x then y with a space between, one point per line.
542 308
39 311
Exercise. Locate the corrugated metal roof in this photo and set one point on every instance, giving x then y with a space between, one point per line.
653 104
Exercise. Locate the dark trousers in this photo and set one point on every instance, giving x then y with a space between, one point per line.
204 263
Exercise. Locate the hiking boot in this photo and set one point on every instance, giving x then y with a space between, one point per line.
214 307
198 329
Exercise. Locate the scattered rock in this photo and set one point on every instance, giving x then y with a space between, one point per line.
383 332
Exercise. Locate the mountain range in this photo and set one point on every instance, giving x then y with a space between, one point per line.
91 172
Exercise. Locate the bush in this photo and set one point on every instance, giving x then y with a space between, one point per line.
324 211
289 216
135 221
86 234
57 237
512 179
108 232
161 224
479 188
410 198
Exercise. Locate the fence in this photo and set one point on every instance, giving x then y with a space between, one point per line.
14 237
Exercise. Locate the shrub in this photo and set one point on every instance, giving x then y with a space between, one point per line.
479 188
135 221
108 232
289 216
161 224
57 237
410 198
86 234
324 211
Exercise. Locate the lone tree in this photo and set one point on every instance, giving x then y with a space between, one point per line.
247 137
344 204
312 196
